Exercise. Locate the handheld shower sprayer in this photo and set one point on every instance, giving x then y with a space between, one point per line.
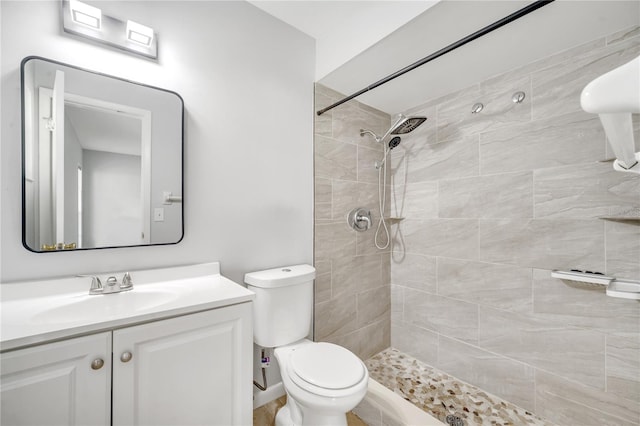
401 126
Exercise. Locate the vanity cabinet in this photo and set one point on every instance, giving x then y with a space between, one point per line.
55 384
186 370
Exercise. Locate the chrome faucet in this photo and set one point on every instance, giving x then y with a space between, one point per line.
112 285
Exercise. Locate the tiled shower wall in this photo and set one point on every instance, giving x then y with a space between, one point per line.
492 203
352 300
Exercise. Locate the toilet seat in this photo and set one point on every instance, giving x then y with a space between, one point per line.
325 369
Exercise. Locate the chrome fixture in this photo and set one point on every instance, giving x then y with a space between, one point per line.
112 285
518 97
359 219
394 142
88 21
476 108
401 126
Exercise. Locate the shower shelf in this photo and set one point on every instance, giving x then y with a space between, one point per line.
394 219
583 276
628 219
620 288
631 215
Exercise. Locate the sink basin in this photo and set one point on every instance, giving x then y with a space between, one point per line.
39 311
88 308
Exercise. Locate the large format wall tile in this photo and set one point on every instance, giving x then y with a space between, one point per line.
322 199
335 317
542 243
570 403
415 271
397 304
451 159
322 123
373 305
334 159
623 35
511 380
367 159
415 200
623 249
496 285
348 195
351 275
498 196
556 90
572 353
561 140
350 117
415 341
441 237
584 191
450 317
334 240
623 367
455 119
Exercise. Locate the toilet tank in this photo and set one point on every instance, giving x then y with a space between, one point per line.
283 306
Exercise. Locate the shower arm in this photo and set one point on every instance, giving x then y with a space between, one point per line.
369 132
379 139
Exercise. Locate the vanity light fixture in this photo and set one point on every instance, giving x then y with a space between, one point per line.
84 14
139 33
87 21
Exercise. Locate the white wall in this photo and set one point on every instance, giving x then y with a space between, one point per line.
246 80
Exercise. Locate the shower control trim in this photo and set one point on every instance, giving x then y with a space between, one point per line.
359 219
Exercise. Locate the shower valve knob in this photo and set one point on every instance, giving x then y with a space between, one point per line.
359 219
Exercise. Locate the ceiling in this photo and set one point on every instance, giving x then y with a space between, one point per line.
343 29
558 26
99 130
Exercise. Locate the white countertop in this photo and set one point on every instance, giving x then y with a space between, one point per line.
40 311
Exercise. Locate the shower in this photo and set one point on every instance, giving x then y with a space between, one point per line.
401 126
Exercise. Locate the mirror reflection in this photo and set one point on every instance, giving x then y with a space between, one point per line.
102 160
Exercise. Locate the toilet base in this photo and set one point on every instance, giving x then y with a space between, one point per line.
291 415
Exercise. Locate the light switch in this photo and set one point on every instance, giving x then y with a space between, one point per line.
158 214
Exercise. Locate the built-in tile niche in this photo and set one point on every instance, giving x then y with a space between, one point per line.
352 296
492 203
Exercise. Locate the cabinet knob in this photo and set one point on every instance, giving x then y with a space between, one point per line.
126 356
97 364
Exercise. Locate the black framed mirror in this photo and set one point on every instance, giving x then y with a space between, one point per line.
102 160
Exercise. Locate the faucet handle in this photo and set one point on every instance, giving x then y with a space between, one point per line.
126 281
96 285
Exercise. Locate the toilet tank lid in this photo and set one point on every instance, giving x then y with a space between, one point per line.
281 277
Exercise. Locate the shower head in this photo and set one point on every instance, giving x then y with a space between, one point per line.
401 126
406 124
394 142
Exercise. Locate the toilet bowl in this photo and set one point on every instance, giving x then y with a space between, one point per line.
323 382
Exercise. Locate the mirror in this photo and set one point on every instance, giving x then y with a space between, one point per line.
102 160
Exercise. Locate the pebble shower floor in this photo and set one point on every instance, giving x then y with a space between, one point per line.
444 396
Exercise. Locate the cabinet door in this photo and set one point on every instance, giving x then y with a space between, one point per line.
57 383
189 370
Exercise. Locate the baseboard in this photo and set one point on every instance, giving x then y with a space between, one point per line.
273 392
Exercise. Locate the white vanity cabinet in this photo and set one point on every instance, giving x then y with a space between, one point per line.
190 370
61 383
193 369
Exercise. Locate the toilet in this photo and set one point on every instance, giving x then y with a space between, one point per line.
323 381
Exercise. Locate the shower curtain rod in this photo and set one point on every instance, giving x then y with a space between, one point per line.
486 30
